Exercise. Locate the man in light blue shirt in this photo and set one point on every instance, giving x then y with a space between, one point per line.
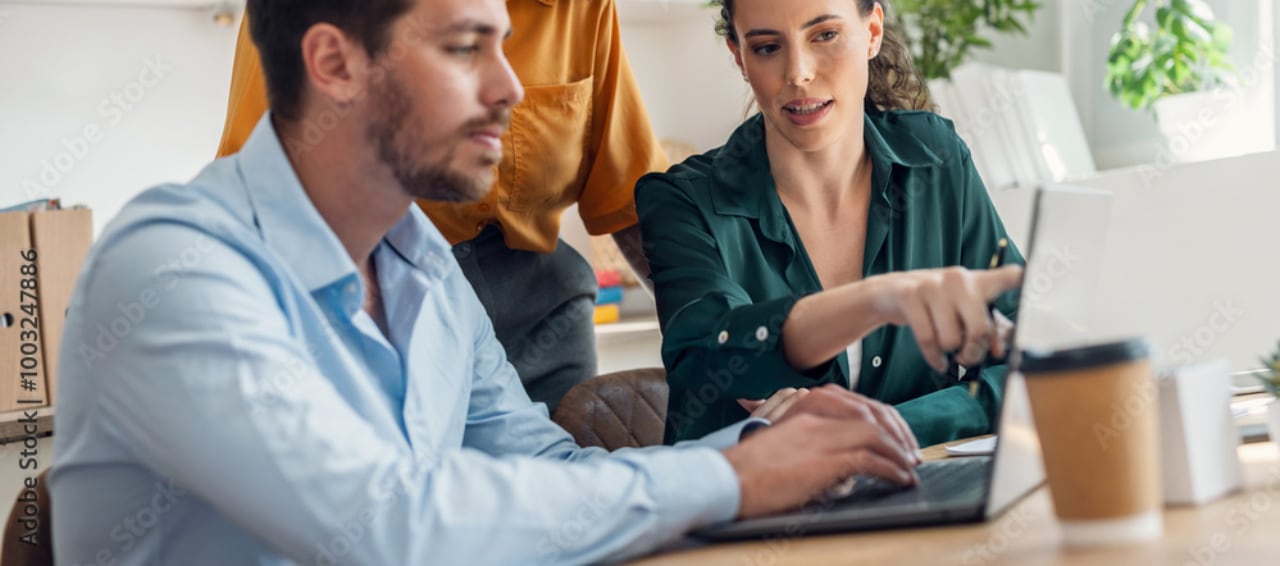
280 361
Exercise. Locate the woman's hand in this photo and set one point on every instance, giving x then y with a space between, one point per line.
776 405
947 310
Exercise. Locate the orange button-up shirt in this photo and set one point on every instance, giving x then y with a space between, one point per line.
580 135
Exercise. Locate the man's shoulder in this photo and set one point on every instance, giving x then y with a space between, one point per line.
211 209
214 201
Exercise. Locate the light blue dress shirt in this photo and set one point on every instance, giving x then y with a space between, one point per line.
224 399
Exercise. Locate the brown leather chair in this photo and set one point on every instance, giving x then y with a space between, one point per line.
18 553
616 410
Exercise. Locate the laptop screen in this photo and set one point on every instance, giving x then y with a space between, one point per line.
1064 253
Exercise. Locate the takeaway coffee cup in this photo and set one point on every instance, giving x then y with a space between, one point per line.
1096 413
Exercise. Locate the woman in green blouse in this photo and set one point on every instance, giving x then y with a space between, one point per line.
840 219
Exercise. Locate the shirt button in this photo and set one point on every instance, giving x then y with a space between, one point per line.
461 251
351 288
876 361
762 334
484 207
723 337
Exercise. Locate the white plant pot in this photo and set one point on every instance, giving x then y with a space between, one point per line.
1273 420
1199 126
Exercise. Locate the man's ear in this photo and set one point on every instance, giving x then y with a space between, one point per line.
336 64
875 25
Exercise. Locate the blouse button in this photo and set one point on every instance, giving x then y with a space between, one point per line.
876 361
723 337
762 334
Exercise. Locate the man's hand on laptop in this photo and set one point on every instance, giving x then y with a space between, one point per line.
827 436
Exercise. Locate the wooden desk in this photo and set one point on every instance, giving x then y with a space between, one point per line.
1243 529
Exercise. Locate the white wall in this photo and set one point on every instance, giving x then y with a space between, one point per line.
148 84
1187 257
1040 49
691 88
100 103
1122 137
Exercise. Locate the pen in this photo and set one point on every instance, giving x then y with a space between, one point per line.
997 261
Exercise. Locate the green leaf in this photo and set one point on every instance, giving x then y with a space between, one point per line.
1185 52
941 34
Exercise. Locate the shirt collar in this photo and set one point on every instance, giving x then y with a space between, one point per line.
745 183
294 229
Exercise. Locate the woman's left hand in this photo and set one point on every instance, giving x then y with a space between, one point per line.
776 405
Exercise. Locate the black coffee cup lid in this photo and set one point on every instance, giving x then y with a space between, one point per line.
1085 357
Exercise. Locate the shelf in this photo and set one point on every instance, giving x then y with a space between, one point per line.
627 329
12 431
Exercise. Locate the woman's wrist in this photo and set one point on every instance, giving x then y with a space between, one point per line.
867 304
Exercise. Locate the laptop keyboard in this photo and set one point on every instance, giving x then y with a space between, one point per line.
940 480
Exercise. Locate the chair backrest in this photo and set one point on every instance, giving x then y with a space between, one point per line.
13 550
617 410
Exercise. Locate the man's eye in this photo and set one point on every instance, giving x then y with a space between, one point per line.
765 49
464 49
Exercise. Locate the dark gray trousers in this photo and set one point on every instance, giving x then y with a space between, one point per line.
542 307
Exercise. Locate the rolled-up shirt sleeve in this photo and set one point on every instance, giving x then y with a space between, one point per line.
718 343
216 391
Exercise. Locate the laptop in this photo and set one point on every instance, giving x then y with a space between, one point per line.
1064 251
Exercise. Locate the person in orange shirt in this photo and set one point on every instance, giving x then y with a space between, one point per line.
582 136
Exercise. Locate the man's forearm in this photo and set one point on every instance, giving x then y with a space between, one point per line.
632 246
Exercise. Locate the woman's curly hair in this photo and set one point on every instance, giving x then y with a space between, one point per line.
893 83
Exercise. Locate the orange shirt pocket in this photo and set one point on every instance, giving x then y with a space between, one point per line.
549 133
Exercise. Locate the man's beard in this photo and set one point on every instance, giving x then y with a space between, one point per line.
401 145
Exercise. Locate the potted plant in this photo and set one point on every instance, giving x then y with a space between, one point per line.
941 34
1171 68
1270 378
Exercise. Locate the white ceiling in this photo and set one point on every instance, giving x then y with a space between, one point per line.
195 4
